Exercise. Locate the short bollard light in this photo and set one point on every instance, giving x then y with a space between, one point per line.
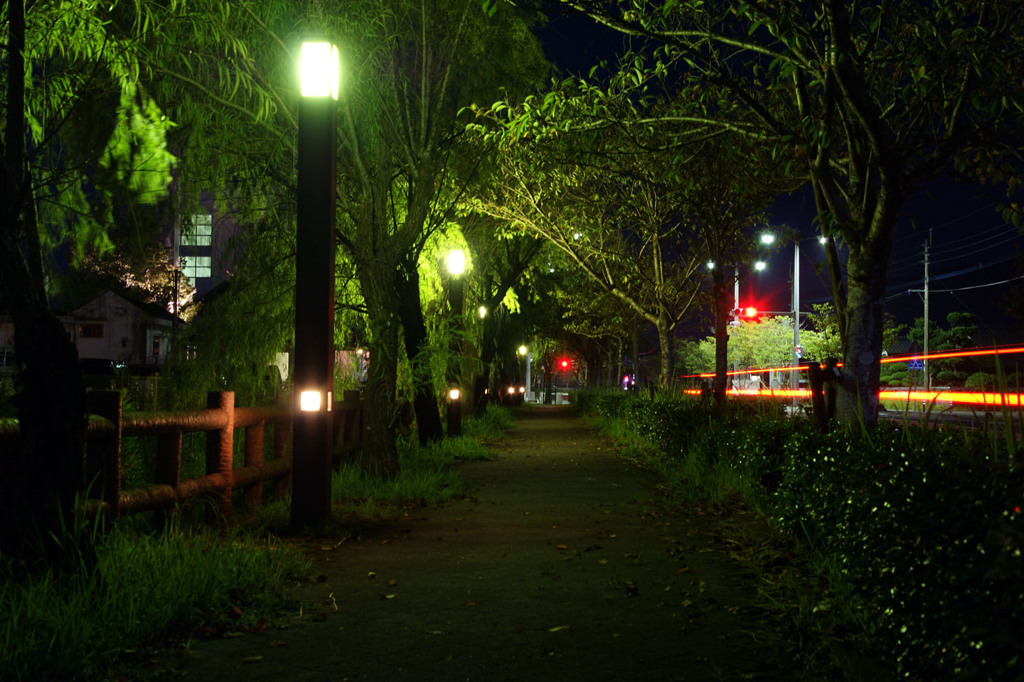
454 412
313 401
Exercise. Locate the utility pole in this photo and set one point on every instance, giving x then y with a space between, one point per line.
795 372
927 245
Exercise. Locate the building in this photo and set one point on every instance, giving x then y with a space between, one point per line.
111 327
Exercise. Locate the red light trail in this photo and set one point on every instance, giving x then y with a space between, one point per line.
905 395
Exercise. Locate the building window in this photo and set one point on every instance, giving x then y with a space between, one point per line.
195 267
201 233
90 330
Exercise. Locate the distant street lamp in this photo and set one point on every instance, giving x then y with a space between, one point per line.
456 262
314 285
797 354
528 360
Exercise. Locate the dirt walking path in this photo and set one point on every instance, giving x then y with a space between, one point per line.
561 564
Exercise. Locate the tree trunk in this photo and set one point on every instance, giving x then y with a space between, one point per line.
634 338
595 368
866 280
380 451
667 344
428 418
45 472
722 308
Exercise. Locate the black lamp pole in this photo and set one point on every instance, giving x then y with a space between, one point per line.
314 310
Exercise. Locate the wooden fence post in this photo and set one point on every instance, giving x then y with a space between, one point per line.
168 470
254 456
815 382
283 448
103 452
219 450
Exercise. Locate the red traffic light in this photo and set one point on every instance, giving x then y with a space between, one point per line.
750 312
564 364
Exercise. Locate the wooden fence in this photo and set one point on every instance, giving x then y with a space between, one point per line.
109 426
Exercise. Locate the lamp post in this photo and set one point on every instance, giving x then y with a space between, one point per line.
528 359
314 285
768 238
456 263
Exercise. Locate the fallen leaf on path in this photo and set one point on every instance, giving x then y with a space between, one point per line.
562 547
559 628
602 561
472 603
371 574
252 659
277 643
389 596
392 583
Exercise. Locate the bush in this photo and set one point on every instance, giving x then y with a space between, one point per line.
925 527
980 381
929 531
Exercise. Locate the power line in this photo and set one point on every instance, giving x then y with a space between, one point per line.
977 286
989 234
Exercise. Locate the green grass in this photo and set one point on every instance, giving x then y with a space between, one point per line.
427 475
491 426
143 587
689 477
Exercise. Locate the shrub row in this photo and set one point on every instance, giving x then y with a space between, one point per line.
926 527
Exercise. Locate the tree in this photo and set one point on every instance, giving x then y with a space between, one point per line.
502 270
766 342
614 215
957 334
726 197
869 103
409 68
69 68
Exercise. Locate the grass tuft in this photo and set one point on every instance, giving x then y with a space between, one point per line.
142 587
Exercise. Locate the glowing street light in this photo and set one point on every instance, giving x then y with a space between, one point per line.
456 264
314 284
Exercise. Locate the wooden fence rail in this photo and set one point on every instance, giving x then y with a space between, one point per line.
109 425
